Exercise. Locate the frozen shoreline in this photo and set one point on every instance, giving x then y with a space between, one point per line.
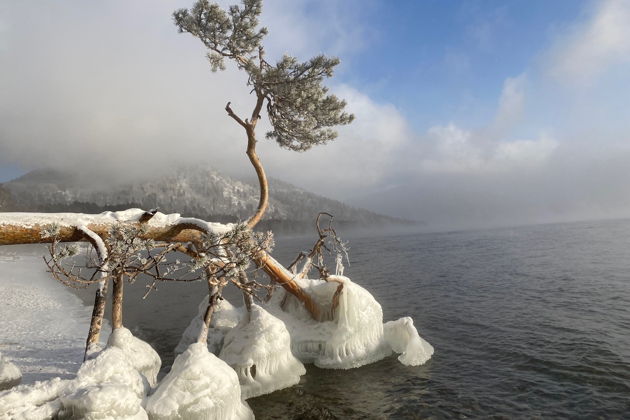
43 326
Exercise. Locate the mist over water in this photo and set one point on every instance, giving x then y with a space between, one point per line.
526 322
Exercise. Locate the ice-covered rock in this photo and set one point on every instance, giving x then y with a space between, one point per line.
140 354
199 386
259 350
352 338
403 338
10 374
224 318
354 335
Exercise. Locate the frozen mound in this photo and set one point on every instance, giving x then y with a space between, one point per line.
104 401
10 375
224 317
199 386
259 350
354 335
352 338
403 338
36 401
106 387
140 354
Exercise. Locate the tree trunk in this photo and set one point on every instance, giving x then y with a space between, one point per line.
117 302
96 321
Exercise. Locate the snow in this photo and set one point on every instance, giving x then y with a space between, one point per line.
199 386
42 324
259 350
139 354
10 374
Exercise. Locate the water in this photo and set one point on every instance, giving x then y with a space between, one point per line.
528 322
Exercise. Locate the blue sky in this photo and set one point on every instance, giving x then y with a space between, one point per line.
469 113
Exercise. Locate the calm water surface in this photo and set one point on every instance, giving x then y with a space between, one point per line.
528 322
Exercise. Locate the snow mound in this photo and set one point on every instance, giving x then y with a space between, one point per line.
403 338
259 350
10 375
199 386
224 317
140 354
105 387
36 401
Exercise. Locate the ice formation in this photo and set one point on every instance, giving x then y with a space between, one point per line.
354 335
10 375
259 350
224 317
199 386
403 338
106 387
140 354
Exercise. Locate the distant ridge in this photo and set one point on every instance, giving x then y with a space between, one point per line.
196 191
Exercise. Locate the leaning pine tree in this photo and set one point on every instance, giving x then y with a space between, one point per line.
299 107
330 321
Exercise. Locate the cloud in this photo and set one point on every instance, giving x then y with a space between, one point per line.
588 49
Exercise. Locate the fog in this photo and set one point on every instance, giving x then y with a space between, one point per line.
112 89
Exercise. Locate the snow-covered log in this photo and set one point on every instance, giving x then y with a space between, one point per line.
30 228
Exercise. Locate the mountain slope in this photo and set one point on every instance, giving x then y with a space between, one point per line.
197 191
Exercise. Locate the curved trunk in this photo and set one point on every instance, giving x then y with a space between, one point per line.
263 200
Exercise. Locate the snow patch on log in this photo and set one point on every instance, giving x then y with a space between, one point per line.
259 350
199 386
29 220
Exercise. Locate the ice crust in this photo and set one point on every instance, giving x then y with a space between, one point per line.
199 386
259 350
10 374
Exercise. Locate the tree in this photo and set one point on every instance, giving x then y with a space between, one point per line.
301 113
300 110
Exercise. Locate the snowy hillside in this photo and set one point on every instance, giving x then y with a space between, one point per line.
197 191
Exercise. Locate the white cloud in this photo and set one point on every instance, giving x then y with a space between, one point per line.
588 49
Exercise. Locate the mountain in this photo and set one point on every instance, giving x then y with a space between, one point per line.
196 191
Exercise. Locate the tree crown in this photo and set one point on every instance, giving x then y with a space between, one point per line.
300 109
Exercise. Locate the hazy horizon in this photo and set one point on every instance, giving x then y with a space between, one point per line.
469 114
